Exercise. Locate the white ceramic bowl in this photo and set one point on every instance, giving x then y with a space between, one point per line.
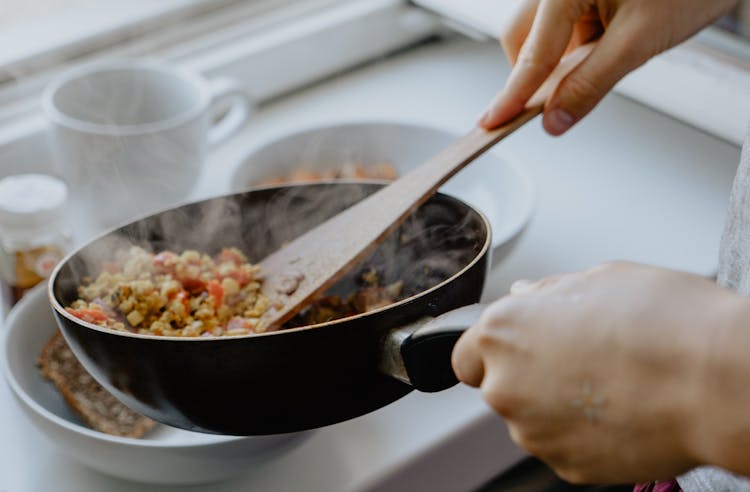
496 185
165 456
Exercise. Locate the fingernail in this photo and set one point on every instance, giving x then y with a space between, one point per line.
558 121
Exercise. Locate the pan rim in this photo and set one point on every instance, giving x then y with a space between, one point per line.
60 310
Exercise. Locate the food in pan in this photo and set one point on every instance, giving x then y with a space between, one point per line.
184 295
370 294
90 401
193 294
351 170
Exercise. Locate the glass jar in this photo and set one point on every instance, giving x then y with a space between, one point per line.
34 234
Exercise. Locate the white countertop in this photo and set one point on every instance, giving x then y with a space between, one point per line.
627 183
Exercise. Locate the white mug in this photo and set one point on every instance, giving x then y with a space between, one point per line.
131 136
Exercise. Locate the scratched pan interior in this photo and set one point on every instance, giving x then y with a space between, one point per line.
288 380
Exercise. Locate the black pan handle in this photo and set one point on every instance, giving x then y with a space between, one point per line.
419 354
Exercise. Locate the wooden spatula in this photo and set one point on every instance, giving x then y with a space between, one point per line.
313 262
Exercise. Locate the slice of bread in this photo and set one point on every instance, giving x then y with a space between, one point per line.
94 404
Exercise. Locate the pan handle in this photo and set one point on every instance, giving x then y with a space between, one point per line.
419 354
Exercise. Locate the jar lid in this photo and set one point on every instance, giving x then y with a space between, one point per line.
31 200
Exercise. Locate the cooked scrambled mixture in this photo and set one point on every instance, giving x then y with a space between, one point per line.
185 295
370 295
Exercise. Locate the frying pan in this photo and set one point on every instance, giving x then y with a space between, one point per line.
298 378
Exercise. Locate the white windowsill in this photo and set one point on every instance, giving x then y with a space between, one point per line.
43 39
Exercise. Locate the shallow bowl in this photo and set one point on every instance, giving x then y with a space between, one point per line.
166 455
495 184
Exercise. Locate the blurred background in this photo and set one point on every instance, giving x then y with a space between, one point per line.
644 178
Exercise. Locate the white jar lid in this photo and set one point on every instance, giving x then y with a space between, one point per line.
31 200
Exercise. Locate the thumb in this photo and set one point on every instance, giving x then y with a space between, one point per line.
618 52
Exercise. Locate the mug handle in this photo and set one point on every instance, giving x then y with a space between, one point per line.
227 91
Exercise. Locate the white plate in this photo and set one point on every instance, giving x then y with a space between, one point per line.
165 456
496 185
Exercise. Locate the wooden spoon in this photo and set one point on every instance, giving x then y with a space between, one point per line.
313 262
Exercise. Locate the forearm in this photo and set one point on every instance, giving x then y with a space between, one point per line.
720 413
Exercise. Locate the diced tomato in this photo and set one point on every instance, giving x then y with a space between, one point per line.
165 262
241 276
216 291
89 315
193 284
230 255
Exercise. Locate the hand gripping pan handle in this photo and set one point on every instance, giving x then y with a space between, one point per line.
419 354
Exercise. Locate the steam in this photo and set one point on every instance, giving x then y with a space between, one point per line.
432 245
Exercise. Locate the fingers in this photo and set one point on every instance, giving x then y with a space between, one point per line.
556 28
496 333
469 355
617 53
556 281
550 32
466 358
587 29
490 338
524 286
515 33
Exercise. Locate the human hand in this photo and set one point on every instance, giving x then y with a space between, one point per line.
601 373
629 32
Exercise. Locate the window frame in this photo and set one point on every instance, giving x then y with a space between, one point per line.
35 44
248 42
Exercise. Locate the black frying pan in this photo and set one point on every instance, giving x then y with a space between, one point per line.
299 378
